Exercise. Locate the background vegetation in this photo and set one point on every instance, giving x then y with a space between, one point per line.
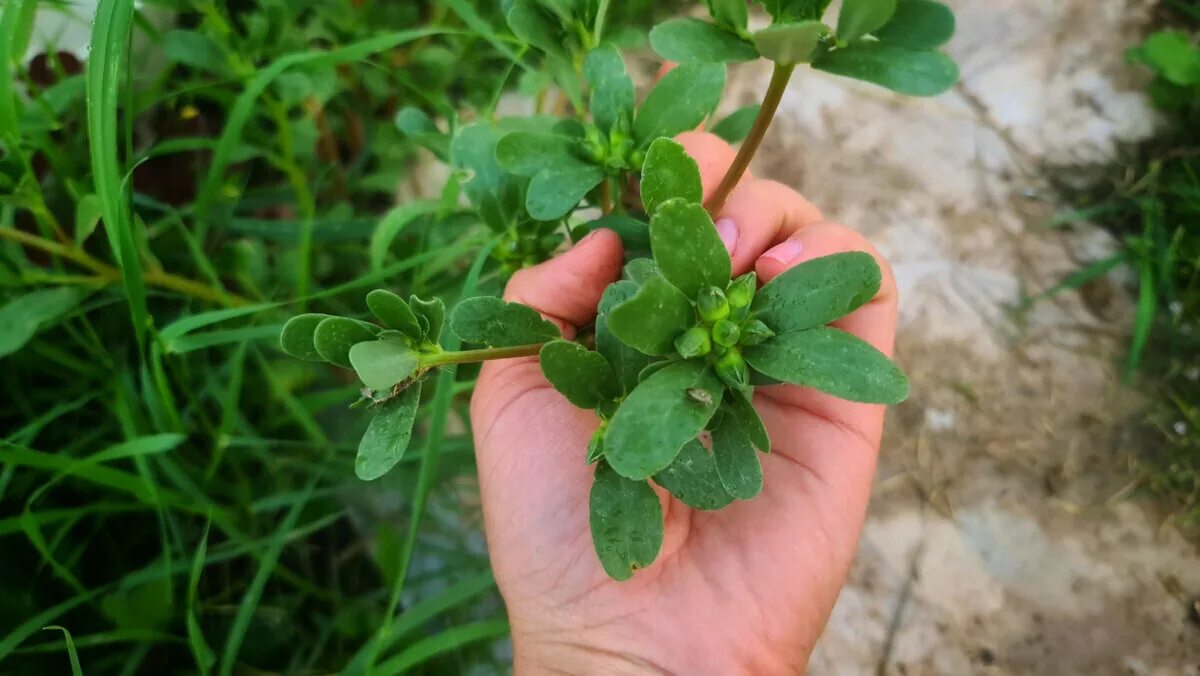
1153 205
173 489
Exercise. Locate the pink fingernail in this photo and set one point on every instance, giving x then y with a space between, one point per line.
728 232
785 252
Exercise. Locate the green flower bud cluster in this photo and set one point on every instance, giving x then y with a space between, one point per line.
723 328
615 152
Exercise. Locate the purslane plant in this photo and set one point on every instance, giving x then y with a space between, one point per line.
678 344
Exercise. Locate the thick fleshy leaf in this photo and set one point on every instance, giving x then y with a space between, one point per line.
555 192
669 173
737 125
611 86
493 322
334 336
394 313
906 71
529 153
860 17
494 192
635 234
22 317
640 270
831 361
534 24
387 436
431 314
582 376
736 461
1172 55
791 43
693 478
681 100
795 10
626 523
732 14
651 320
663 413
817 292
297 337
687 248
626 362
919 24
381 364
685 40
741 409
420 129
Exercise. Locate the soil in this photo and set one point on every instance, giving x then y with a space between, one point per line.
1005 535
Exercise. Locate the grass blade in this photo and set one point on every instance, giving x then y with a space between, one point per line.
110 37
448 640
76 669
245 612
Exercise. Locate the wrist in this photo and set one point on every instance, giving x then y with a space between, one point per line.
543 656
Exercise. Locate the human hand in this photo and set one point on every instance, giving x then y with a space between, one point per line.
746 589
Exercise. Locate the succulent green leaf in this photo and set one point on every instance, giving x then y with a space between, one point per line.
494 192
634 234
595 449
860 17
795 10
736 462
669 173
529 153
663 413
394 313
906 71
681 100
731 14
431 314
626 362
818 291
739 406
553 193
918 24
334 336
381 364
1172 55
582 376
626 523
493 322
297 337
611 86
692 478
651 320
22 317
687 248
791 43
418 127
686 39
641 270
833 362
532 23
736 126
387 436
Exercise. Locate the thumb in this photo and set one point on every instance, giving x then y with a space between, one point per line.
567 289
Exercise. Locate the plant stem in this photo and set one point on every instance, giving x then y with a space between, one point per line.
109 274
488 354
601 15
779 80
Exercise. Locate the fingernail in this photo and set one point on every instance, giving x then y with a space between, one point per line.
728 232
785 252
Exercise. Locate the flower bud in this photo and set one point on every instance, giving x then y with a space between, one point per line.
712 304
741 290
693 343
732 369
726 333
594 144
755 332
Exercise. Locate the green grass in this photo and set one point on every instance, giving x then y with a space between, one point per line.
1153 207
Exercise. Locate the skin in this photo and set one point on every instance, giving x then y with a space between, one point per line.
747 589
